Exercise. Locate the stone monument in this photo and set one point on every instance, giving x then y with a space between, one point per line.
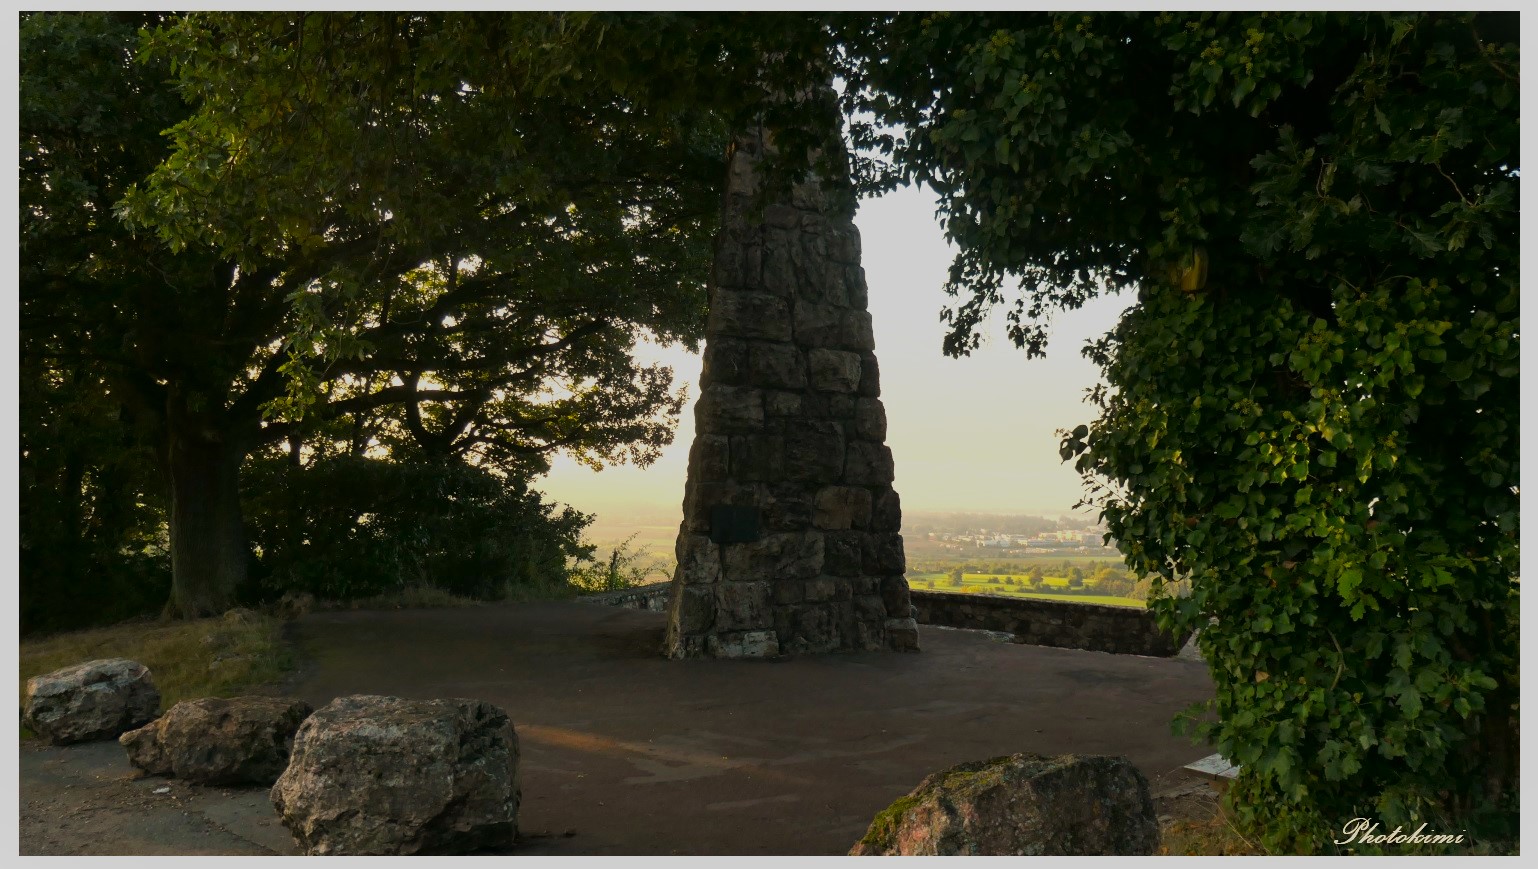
789 542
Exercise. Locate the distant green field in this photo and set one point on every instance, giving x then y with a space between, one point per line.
1103 599
931 558
974 583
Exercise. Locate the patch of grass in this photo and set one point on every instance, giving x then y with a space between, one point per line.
429 597
217 657
1212 836
547 591
409 598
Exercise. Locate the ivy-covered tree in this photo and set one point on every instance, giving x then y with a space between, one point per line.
1312 408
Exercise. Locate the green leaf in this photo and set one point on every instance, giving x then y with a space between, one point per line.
1347 582
1383 123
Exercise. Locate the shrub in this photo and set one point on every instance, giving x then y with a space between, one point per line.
625 567
351 527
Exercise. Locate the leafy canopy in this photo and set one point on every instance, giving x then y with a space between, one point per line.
453 239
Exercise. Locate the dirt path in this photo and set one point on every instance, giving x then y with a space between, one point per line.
631 754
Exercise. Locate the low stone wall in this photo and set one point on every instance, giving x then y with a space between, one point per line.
653 597
1116 629
1037 622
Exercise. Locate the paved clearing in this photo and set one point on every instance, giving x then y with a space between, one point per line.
624 752
85 799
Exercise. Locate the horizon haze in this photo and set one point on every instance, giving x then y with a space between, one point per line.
976 434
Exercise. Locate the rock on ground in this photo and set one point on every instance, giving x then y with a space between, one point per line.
1023 804
295 604
383 775
1191 651
95 700
239 740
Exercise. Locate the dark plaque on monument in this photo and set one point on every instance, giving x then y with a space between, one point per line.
734 524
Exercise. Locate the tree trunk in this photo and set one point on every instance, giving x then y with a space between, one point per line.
208 539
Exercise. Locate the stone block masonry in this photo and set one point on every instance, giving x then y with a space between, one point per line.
1033 621
790 540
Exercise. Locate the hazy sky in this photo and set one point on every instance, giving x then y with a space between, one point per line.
966 434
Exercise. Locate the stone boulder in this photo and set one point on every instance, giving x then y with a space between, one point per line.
240 740
95 700
1024 804
383 775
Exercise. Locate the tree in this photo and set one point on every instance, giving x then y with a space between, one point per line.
1311 410
367 252
1034 577
90 507
956 576
1075 578
89 123
1110 581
